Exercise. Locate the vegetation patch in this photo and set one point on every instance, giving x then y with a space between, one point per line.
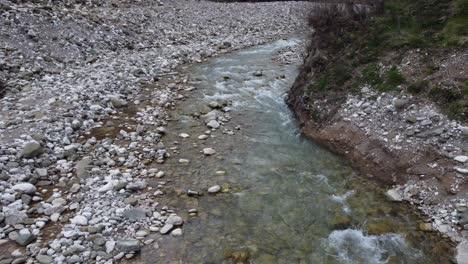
355 48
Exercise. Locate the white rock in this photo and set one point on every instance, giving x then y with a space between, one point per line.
176 232
203 137
213 124
184 161
209 151
110 245
25 187
184 135
79 220
214 189
461 159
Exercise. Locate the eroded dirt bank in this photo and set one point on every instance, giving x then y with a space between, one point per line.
366 110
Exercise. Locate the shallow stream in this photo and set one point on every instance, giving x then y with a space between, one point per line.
285 199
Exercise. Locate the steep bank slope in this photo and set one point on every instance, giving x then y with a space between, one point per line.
390 94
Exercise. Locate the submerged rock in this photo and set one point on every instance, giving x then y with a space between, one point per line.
394 195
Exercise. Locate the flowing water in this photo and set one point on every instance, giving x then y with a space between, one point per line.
286 199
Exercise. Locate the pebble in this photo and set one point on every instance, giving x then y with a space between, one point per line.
213 124
214 189
209 151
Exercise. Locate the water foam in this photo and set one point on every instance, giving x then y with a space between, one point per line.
353 246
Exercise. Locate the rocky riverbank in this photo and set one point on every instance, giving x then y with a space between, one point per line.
374 110
85 111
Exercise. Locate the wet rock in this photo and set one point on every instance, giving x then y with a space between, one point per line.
31 149
128 245
166 229
203 137
174 220
425 227
184 135
177 232
394 195
215 105
258 73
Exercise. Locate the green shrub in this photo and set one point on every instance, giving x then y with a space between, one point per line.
394 77
418 87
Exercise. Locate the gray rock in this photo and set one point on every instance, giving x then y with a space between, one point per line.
134 214
174 220
136 186
31 149
117 102
44 259
75 188
166 229
462 253
25 237
176 232
129 245
25 187
83 167
213 124
400 103
394 196
79 220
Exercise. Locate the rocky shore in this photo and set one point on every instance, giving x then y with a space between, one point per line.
400 139
83 117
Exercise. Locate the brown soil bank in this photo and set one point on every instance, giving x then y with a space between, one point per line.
386 87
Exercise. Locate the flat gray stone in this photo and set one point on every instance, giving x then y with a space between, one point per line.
128 245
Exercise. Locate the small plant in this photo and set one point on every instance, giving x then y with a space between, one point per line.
394 77
418 87
371 75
